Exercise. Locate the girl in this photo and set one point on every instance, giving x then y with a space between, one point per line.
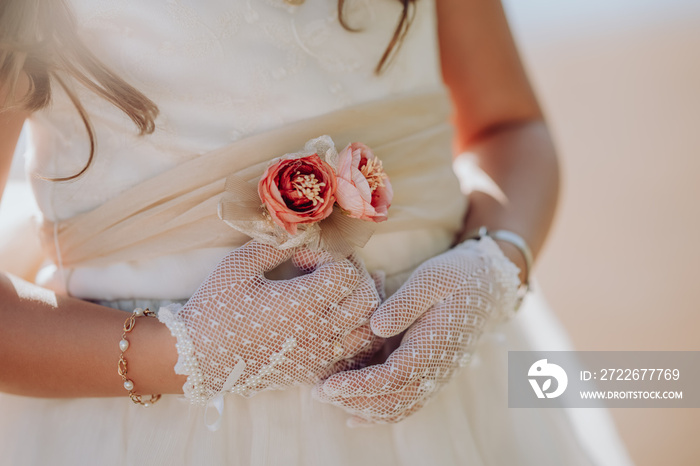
217 89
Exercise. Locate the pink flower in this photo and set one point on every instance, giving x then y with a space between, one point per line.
298 191
364 190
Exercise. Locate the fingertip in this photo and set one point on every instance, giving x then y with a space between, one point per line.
344 268
331 388
382 324
397 313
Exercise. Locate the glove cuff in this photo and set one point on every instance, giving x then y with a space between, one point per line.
187 364
504 273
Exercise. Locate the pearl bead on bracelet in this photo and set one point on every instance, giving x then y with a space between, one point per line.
129 325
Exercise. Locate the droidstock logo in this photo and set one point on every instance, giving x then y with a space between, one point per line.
542 370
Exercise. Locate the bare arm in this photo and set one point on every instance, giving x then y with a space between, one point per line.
499 123
55 346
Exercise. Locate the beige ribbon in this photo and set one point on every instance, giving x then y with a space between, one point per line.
176 211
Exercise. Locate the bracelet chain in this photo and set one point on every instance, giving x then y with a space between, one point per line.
122 368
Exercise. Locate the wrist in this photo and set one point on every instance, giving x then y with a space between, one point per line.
514 249
513 254
152 358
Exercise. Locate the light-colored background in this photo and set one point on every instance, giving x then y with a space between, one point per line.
620 82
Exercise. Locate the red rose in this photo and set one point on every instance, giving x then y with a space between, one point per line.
298 191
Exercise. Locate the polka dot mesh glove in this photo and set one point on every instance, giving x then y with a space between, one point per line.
242 333
445 305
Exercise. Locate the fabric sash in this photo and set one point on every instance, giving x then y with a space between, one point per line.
176 211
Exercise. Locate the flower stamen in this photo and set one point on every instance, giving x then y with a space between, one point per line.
374 173
309 187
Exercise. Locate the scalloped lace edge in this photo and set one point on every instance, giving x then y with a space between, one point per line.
506 273
187 363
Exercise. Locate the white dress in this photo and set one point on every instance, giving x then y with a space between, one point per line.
220 70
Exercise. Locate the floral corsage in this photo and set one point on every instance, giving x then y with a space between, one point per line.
317 198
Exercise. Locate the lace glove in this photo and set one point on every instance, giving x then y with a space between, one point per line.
242 333
363 340
444 304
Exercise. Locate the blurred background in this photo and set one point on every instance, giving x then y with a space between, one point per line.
620 83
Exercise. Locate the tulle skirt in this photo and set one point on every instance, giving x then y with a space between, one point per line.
467 423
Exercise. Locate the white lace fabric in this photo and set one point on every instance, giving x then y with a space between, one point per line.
445 305
243 333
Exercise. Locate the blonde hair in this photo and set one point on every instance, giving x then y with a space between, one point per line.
38 39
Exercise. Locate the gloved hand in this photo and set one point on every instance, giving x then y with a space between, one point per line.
243 333
444 304
363 340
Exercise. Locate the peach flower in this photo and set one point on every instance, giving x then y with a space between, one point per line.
364 190
298 191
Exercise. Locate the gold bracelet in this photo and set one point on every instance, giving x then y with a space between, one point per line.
129 325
